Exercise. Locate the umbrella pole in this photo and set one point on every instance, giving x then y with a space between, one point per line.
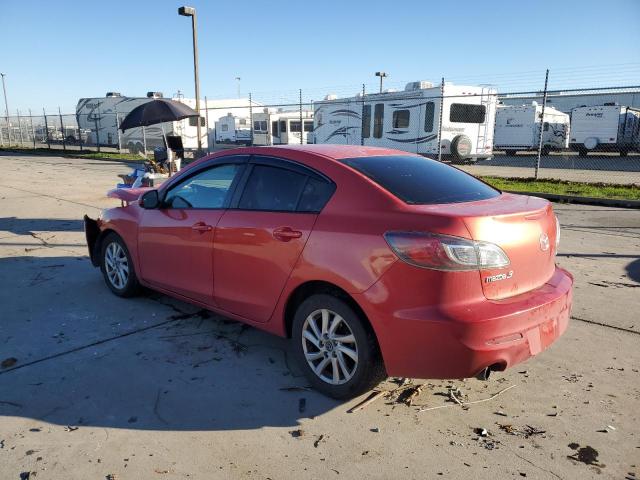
166 146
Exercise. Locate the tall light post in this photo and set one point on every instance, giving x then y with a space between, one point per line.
6 106
238 80
191 12
381 75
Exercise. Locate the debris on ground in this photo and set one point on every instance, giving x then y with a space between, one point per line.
295 389
9 362
501 413
465 404
481 431
526 431
375 429
318 440
69 428
297 433
375 395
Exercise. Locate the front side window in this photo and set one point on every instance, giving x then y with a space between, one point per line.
272 189
467 113
378 118
429 113
401 119
207 189
366 121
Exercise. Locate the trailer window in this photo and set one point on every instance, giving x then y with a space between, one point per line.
283 126
260 125
294 125
429 112
378 117
242 121
274 128
401 119
467 113
225 127
193 123
308 126
366 121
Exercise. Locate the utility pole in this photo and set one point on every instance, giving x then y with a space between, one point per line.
238 80
191 12
6 105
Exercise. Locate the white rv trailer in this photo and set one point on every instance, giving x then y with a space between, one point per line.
608 128
281 128
410 120
518 128
99 116
233 129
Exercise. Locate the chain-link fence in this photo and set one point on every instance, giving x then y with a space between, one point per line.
582 135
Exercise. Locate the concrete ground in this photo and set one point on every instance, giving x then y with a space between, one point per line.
93 386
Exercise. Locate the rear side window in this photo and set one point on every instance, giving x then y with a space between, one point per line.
272 189
467 113
422 181
315 195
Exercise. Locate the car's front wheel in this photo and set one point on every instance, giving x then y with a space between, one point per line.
117 267
335 347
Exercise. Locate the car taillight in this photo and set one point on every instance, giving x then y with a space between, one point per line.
557 234
445 252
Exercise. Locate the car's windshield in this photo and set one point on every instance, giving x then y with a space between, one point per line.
418 180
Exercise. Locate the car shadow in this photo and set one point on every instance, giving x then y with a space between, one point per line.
77 356
23 226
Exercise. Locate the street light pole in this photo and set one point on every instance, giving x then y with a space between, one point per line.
6 106
191 12
238 79
381 75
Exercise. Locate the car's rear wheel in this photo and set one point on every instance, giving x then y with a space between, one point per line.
117 267
335 347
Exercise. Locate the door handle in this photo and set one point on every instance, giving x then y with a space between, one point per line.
286 234
201 227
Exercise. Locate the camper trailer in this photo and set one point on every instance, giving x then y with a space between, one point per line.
281 127
99 116
410 120
605 128
233 129
518 128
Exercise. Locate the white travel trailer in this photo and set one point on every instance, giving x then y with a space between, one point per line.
233 129
518 128
605 128
99 116
410 120
281 128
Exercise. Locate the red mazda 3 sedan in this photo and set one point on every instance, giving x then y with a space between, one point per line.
374 262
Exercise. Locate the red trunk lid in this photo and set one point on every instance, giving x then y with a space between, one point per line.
524 227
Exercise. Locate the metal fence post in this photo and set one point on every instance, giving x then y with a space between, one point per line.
362 118
440 120
117 120
33 132
64 138
80 141
144 140
20 129
95 122
206 123
251 118
301 124
1 136
46 128
544 103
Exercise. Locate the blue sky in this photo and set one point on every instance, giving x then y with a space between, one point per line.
54 52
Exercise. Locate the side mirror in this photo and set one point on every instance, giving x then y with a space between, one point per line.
150 200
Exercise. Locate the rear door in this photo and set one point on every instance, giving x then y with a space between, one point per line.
259 240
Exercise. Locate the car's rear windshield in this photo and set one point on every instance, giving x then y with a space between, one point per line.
421 181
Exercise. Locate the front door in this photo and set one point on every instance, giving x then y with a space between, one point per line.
175 242
259 240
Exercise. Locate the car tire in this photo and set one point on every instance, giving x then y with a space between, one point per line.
354 375
117 267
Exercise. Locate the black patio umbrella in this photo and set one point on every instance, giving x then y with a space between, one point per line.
159 110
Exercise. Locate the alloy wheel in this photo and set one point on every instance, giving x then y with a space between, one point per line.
116 265
329 346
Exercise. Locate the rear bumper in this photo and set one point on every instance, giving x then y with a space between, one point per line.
460 340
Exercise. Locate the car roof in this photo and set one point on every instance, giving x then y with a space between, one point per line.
336 152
